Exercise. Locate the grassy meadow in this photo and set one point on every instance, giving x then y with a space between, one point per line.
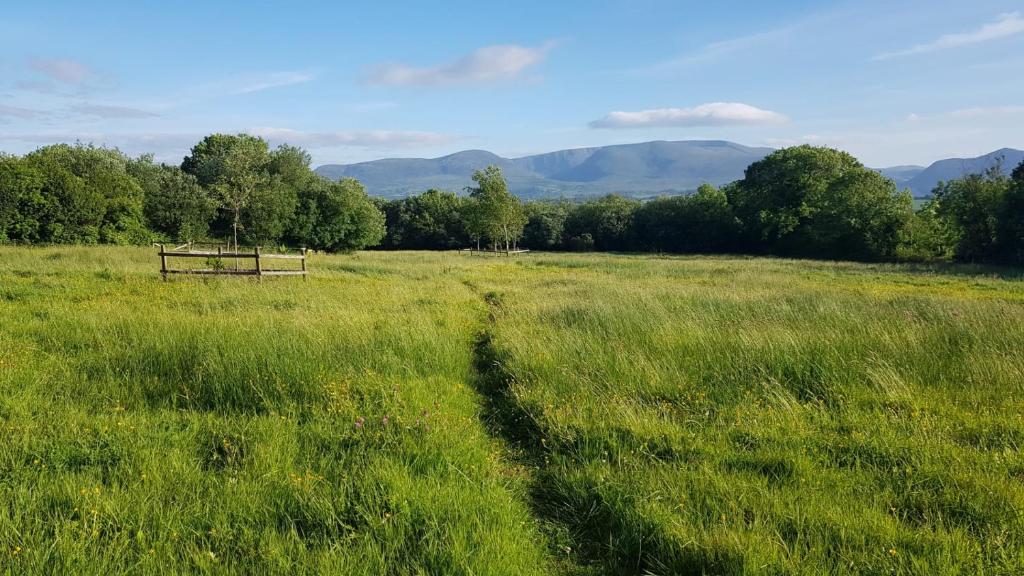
436 413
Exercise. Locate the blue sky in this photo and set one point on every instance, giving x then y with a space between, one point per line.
891 82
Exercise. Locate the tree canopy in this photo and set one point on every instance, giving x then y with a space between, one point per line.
816 201
494 213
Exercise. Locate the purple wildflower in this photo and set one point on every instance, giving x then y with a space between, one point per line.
359 422
384 420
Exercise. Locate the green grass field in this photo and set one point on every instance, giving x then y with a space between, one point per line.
436 413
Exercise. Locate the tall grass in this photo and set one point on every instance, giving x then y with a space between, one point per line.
756 416
227 426
438 413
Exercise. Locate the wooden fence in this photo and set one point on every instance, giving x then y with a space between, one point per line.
218 257
496 252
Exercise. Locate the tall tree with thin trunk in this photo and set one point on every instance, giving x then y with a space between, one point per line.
235 168
497 214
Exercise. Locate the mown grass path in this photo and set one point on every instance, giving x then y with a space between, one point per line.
517 437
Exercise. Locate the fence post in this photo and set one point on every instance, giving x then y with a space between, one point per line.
259 266
305 275
163 263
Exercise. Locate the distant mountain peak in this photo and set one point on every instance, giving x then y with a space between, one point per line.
643 169
924 182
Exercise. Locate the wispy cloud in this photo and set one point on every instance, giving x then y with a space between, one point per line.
249 83
754 42
987 111
244 83
484 65
710 114
1004 25
20 113
972 113
167 146
63 70
111 112
46 87
373 106
720 49
356 138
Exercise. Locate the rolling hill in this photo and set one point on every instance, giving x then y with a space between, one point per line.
645 169
641 170
924 182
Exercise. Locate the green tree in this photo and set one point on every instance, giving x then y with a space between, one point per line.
818 202
545 223
1011 221
175 205
926 236
337 216
235 168
22 203
861 216
974 206
87 196
702 223
432 220
607 222
497 215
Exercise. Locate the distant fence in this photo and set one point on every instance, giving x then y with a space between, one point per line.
216 258
498 251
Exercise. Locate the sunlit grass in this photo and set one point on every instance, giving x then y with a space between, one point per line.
766 416
440 413
323 427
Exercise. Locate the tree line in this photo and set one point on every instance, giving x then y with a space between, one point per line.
803 201
229 187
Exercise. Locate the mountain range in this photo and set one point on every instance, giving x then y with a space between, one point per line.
922 181
641 170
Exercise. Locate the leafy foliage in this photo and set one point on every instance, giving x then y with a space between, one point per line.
174 203
702 223
337 216
495 214
814 201
432 220
228 185
608 221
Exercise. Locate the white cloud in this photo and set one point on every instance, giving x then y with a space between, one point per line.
1005 25
484 65
364 139
111 112
711 114
63 70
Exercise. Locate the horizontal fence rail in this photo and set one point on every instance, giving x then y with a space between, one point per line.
507 252
257 256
